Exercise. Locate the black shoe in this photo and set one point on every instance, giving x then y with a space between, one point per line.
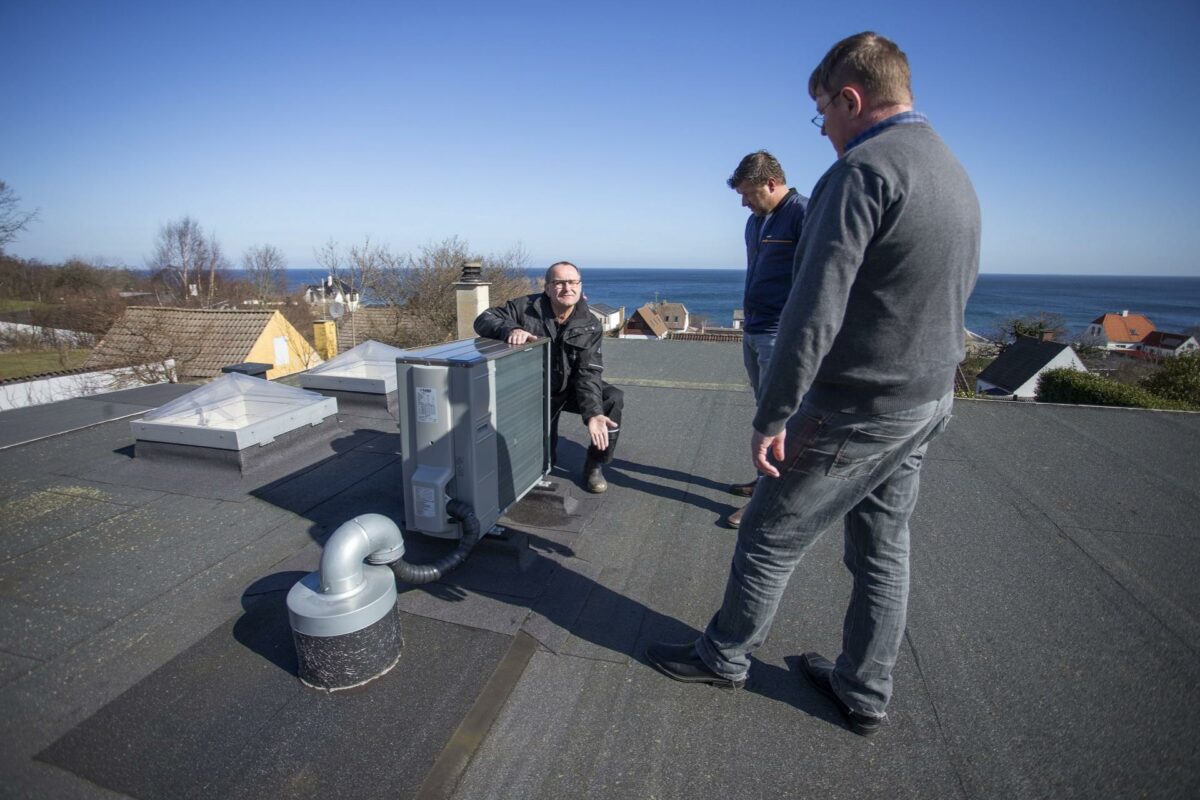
819 671
680 661
743 489
593 477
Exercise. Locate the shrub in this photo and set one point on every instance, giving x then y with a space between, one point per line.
1177 379
1085 388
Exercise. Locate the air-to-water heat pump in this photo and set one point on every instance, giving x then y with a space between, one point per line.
474 426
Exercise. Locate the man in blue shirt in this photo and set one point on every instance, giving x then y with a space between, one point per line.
772 231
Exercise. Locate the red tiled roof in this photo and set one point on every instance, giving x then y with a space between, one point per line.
1124 328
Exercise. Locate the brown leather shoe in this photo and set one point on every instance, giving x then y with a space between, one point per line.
593 477
742 489
734 520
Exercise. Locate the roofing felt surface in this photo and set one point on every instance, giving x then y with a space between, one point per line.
1052 645
200 340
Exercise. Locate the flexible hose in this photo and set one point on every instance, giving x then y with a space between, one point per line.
428 573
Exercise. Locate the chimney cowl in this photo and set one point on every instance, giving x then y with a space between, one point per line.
472 272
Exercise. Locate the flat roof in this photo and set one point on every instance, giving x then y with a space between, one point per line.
1052 643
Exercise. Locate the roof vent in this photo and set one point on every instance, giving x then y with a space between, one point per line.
231 414
363 377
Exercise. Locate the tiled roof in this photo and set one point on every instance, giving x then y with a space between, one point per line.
389 325
1125 328
1020 362
603 308
651 320
200 340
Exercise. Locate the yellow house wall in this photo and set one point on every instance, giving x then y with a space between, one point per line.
301 355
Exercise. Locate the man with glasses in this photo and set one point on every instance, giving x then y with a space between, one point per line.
772 231
561 313
860 382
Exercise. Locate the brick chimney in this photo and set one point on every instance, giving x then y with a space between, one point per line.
325 338
471 294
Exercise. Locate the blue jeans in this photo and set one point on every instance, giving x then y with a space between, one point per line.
756 355
864 470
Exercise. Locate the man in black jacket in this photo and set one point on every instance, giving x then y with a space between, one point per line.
561 313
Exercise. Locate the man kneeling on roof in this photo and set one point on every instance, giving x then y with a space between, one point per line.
561 314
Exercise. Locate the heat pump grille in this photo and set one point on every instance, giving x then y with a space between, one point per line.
521 438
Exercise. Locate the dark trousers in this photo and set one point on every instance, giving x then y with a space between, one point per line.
613 400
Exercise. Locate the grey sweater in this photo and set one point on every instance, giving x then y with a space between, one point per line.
888 255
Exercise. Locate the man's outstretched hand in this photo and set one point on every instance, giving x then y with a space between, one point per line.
598 427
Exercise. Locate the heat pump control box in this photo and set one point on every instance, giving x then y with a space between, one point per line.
474 425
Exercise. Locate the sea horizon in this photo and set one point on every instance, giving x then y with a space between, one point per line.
1171 302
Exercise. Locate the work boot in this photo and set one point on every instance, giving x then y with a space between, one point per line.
734 520
593 477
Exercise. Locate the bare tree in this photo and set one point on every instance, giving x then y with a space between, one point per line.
266 269
12 219
188 261
424 287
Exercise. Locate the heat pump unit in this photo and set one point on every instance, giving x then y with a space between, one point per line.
474 426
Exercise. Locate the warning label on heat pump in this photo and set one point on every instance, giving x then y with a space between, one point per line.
424 496
426 405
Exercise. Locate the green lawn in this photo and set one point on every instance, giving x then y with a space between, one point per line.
18 365
7 304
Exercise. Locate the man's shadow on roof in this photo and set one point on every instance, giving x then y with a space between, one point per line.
575 615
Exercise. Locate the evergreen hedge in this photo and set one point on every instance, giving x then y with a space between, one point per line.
1086 388
1177 379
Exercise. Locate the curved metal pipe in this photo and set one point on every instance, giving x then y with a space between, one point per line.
366 535
376 539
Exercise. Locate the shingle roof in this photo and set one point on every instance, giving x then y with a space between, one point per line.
200 340
1020 362
389 325
603 308
1126 328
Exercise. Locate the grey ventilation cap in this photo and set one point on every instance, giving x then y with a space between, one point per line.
313 613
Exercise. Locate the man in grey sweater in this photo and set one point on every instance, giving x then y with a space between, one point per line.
859 384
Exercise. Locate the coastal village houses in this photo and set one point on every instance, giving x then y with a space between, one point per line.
1135 334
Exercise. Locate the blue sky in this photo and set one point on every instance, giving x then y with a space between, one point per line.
601 133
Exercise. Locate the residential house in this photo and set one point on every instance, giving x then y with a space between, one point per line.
329 291
1161 344
1015 372
610 318
739 318
202 341
1122 332
674 315
645 323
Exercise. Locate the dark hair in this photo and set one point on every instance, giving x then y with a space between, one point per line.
550 269
873 62
756 169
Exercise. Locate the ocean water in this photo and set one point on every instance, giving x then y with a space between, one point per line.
1172 303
